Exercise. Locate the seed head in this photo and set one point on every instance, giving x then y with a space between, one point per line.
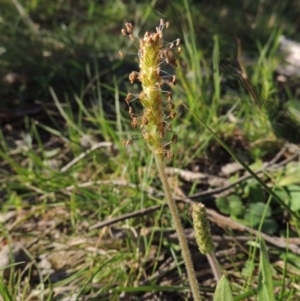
202 229
152 54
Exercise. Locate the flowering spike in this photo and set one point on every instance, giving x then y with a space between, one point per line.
202 229
151 55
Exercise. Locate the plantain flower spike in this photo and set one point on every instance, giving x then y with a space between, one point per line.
158 108
202 229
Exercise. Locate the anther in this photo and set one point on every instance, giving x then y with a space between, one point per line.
169 155
134 122
169 95
128 98
174 138
129 27
132 115
173 79
133 76
171 106
144 120
126 142
149 40
172 114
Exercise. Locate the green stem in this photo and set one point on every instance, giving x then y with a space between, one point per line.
214 264
182 240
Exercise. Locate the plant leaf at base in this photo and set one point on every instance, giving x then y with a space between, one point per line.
223 291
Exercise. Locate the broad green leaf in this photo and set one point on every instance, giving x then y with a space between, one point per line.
223 291
254 193
265 290
231 205
269 226
255 213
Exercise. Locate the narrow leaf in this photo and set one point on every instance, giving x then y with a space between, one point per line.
4 291
265 290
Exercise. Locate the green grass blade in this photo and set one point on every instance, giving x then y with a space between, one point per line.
265 290
4 291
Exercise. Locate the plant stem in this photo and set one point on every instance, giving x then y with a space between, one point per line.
213 262
182 240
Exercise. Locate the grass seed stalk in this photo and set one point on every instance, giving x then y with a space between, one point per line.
158 111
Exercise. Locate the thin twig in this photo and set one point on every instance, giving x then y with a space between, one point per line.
222 221
123 217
